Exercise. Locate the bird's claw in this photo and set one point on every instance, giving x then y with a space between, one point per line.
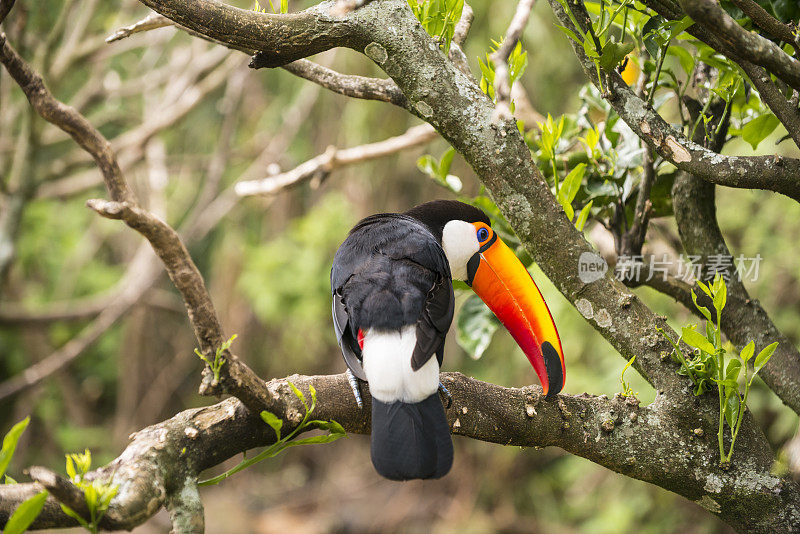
446 394
354 386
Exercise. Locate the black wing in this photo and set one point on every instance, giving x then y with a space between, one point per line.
434 323
391 272
344 336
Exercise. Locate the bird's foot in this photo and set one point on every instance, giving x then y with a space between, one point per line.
354 386
446 394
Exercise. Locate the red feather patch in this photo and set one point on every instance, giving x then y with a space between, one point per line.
360 339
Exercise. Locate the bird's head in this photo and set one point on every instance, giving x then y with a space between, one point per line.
480 258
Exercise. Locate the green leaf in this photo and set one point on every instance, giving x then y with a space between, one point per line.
10 443
613 54
71 473
272 420
759 128
684 58
9 480
74 515
25 514
697 340
701 309
475 326
326 438
678 26
747 352
331 426
284 6
589 49
583 216
721 297
764 356
733 370
569 33
298 394
732 406
572 183
446 162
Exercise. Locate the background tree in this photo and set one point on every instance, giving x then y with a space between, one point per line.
173 123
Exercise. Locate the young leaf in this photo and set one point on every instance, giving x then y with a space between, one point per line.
701 309
733 370
446 162
272 420
298 394
747 352
572 183
25 513
613 53
721 295
10 443
764 356
583 216
697 340
759 128
732 406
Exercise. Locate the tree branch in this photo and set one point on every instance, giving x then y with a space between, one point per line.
150 22
502 85
334 158
163 460
765 21
348 85
773 173
747 45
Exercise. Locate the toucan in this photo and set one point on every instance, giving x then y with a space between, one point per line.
393 304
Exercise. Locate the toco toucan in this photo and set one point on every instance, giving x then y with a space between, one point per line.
392 307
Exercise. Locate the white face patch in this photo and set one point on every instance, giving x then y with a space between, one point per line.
459 243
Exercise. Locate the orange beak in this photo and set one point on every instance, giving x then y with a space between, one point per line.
508 289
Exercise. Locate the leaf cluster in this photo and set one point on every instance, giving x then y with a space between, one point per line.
334 431
710 363
26 512
439 18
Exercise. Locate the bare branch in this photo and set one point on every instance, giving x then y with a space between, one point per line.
348 85
747 45
334 158
502 86
66 118
150 22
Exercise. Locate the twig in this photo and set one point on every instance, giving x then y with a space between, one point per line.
334 158
66 118
150 22
348 85
502 85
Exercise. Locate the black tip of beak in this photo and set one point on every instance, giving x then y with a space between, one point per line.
472 267
555 375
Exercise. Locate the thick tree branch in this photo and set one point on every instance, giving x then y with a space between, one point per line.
747 45
765 21
643 442
773 173
334 158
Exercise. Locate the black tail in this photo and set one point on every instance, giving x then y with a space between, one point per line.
411 440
